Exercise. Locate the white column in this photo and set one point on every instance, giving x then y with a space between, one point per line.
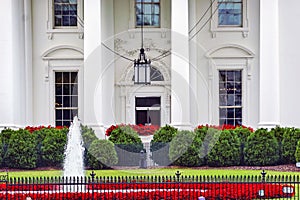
269 115
6 62
98 65
92 64
28 62
180 97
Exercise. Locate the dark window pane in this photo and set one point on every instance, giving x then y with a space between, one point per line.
67 101
58 123
66 20
74 89
58 9
230 113
58 19
67 114
238 113
230 121
73 21
65 10
58 101
58 114
67 123
74 101
58 89
223 100
147 101
58 77
223 113
66 89
222 88
74 77
74 112
230 100
66 77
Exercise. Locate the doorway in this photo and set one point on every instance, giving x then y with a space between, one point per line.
148 110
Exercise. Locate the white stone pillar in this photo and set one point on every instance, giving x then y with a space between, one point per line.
98 65
269 114
180 80
92 63
6 63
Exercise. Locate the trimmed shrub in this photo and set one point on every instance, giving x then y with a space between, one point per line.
4 138
243 133
226 151
297 153
278 133
102 154
21 152
52 147
128 145
289 143
160 145
261 148
185 149
88 137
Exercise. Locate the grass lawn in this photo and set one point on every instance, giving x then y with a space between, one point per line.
150 172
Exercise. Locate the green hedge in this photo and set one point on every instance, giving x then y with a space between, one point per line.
21 150
160 145
261 148
289 145
185 149
102 154
226 151
128 145
297 153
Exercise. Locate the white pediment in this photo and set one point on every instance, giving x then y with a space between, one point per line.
230 51
63 52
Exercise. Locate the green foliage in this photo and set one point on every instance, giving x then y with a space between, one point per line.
52 147
289 143
297 153
243 134
226 151
128 145
278 133
261 148
160 144
4 139
185 149
102 154
21 152
88 136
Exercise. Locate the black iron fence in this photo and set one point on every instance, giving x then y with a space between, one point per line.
152 187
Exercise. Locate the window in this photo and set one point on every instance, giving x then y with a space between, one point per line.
66 97
230 16
230 12
150 10
147 110
65 13
230 97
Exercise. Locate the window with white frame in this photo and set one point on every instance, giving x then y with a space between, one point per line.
150 9
66 97
230 13
65 13
230 97
230 16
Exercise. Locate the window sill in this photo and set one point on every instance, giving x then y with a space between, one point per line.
244 31
51 32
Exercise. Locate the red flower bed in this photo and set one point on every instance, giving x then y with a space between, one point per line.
142 130
224 127
140 191
31 129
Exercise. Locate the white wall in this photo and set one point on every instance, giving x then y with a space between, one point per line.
289 62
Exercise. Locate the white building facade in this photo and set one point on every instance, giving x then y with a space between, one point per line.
212 62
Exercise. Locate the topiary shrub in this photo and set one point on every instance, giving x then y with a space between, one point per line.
289 143
102 154
160 145
128 145
278 133
261 148
226 151
88 137
21 152
185 149
243 133
52 147
297 153
4 138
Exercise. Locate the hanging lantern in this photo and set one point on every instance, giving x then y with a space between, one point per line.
142 69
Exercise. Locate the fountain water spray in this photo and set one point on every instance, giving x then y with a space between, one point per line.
74 153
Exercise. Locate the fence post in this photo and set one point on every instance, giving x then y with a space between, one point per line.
178 182
93 174
263 176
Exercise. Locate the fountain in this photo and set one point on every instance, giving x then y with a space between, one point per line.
73 163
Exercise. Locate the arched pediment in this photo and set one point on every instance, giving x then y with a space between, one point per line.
63 52
230 51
